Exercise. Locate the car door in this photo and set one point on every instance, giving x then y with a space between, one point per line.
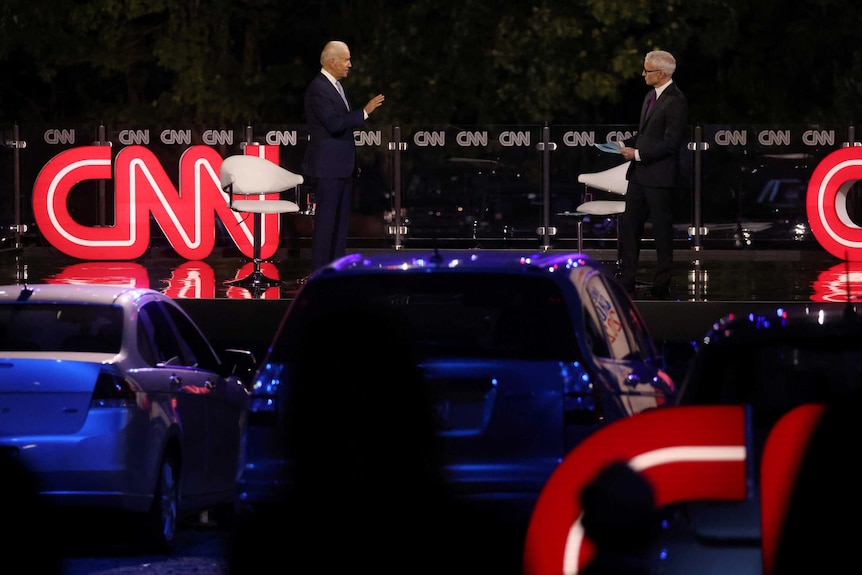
225 402
187 389
630 378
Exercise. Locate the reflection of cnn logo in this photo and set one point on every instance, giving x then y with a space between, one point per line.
826 203
840 283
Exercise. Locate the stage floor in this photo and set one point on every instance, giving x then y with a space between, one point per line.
702 275
706 285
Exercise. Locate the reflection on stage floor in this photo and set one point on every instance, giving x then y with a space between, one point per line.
705 275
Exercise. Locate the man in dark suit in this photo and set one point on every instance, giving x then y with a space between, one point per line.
330 159
652 175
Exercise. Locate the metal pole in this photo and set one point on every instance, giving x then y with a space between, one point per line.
16 166
697 231
698 189
851 137
103 199
546 146
698 146
396 146
257 219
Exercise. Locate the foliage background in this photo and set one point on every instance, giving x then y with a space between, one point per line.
437 61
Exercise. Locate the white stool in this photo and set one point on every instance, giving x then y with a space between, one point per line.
255 176
612 181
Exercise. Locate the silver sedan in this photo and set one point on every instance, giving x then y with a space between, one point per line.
114 399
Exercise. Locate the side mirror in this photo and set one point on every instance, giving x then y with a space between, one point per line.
241 364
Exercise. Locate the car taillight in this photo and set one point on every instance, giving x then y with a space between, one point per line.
113 391
263 408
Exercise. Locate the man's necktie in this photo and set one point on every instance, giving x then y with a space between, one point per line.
343 97
651 103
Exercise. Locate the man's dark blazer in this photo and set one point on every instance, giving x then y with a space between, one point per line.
659 140
331 151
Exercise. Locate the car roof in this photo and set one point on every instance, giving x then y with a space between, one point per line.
776 359
458 260
785 322
84 293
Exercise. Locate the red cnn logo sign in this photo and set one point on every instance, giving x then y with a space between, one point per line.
143 190
826 203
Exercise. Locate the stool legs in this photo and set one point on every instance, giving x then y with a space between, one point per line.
256 281
580 234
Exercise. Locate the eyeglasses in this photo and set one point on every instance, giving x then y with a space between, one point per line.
645 71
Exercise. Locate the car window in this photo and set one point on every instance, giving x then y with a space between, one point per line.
61 327
593 333
613 327
200 350
478 315
146 347
166 348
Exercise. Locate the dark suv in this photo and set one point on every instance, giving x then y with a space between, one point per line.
524 355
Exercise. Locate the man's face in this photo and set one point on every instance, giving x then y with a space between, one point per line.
652 75
340 65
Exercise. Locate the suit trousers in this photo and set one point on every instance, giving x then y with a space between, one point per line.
646 203
333 197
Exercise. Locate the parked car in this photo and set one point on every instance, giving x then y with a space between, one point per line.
525 354
115 400
723 458
770 362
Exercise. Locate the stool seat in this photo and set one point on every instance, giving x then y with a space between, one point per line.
265 206
601 208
